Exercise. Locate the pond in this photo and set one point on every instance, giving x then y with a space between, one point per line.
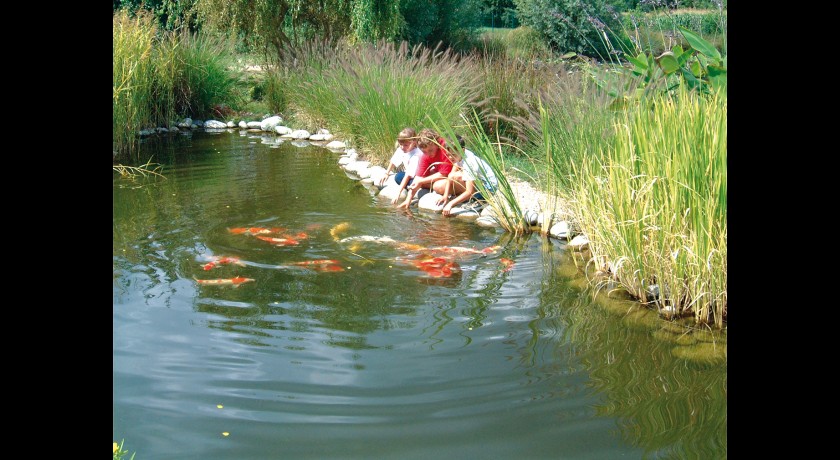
353 341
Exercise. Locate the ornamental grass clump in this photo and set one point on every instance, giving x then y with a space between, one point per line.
372 91
161 76
652 203
133 74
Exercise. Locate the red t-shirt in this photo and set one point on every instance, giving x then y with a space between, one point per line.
429 165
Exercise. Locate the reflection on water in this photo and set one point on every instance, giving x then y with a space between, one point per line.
403 352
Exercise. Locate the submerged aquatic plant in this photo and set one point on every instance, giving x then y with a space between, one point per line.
148 169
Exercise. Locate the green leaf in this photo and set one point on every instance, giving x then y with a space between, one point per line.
640 62
690 78
702 46
696 69
715 71
568 55
668 62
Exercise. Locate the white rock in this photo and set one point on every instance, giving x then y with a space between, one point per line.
390 191
363 173
270 123
560 230
377 173
186 123
321 137
356 166
253 125
301 134
231 124
283 130
243 124
336 145
487 221
579 243
323 131
428 201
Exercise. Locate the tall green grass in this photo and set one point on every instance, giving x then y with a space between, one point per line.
160 76
133 73
652 202
369 93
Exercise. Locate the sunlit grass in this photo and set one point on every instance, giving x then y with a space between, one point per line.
652 202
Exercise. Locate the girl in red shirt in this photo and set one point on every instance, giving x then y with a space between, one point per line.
433 166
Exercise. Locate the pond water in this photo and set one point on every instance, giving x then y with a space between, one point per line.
374 355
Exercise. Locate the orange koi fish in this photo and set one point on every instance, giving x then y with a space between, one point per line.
223 260
235 282
508 263
255 230
278 241
327 268
437 267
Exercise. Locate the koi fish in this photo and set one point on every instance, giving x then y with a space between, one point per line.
327 268
320 265
255 230
307 263
368 238
224 260
437 267
410 246
456 250
338 229
235 282
508 263
278 241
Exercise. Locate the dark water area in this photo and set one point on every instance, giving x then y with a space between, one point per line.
374 357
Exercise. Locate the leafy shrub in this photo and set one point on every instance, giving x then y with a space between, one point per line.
582 27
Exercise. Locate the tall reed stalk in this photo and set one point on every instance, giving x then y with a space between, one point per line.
653 204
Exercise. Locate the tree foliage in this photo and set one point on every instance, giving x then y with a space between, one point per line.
582 26
432 21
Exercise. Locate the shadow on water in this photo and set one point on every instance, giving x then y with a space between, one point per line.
378 356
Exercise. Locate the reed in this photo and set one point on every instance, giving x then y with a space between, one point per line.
159 76
373 91
133 73
652 202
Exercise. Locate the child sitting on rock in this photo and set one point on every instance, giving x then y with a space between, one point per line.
433 166
467 168
406 157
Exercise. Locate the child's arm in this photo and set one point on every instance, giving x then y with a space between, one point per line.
470 189
387 173
403 184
